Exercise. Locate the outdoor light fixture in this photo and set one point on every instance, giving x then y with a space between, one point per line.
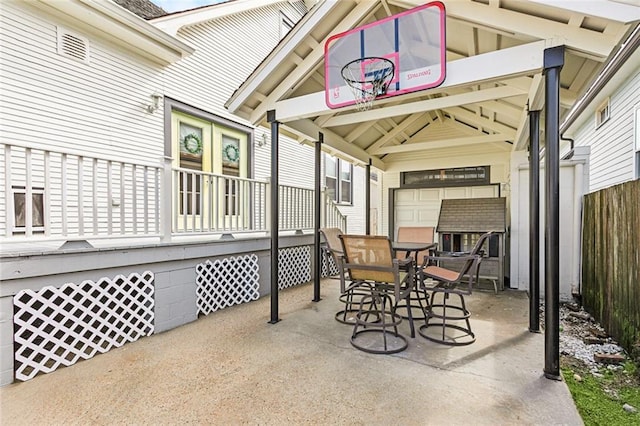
155 102
262 141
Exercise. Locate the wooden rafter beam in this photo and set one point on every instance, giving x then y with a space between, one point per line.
489 67
442 143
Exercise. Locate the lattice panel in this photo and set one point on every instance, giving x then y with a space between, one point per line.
294 265
59 326
329 266
226 282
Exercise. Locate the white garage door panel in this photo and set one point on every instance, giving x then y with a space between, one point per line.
421 207
406 196
456 193
407 215
429 194
484 191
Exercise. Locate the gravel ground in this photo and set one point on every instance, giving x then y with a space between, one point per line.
576 325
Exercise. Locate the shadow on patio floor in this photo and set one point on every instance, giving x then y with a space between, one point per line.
232 367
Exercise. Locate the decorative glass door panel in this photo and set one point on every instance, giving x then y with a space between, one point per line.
192 149
210 194
233 198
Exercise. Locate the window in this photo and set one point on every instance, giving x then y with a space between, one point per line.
438 178
286 24
20 208
603 113
338 179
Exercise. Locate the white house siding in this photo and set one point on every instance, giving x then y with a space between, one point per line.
612 145
355 212
50 101
61 104
228 49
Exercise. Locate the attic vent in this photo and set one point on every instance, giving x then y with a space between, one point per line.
72 45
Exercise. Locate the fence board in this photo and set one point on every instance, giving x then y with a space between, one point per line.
611 260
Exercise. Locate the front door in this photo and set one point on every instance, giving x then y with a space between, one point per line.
207 153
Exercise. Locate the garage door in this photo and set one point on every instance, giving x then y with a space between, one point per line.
421 207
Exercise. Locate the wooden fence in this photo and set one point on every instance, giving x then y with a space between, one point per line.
611 260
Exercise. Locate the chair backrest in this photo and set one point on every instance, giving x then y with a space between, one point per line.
369 251
332 238
475 251
415 234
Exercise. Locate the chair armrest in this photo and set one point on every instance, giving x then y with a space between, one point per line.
435 260
405 262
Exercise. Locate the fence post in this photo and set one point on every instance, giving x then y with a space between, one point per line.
166 215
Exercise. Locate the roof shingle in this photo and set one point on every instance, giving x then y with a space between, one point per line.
472 215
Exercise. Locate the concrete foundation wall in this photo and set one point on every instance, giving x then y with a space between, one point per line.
173 265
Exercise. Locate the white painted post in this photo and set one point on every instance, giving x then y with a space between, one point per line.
268 206
166 215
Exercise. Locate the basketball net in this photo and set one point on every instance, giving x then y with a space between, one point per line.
368 78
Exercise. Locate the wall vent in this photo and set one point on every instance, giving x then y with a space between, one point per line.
73 45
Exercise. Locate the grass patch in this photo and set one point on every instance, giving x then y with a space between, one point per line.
600 400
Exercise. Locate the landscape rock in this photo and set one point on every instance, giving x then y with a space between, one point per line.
629 408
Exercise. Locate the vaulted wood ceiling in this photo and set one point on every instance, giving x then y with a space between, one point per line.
494 61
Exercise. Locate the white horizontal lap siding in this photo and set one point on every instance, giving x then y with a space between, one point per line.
227 50
611 158
54 102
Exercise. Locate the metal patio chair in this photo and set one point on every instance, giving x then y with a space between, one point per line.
369 259
419 299
350 290
451 281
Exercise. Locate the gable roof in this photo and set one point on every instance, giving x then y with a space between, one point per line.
494 77
110 21
473 215
143 8
173 22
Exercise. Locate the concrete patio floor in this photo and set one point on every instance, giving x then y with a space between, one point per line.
232 367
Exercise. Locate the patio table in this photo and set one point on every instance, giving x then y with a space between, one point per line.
412 247
419 295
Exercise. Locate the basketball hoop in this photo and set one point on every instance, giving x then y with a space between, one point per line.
368 78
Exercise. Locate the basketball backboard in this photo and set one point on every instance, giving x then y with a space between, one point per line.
408 48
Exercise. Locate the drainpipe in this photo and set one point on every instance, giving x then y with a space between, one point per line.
534 221
553 62
271 118
316 236
367 199
578 191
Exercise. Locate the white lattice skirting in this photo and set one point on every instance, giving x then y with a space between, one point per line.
59 326
329 267
294 265
226 282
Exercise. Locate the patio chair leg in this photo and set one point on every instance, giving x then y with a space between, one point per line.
466 335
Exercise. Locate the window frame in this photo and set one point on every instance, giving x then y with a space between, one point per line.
604 107
339 196
34 192
286 25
